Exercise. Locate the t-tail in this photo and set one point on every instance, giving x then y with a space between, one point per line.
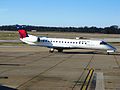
27 38
23 33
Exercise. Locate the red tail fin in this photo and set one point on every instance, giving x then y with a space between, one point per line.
22 33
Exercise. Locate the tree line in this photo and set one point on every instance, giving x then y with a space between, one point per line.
114 29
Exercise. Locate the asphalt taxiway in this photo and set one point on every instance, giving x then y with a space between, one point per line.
34 68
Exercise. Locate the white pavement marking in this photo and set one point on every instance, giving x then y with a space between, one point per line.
99 81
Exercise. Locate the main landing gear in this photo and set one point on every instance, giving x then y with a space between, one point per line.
60 50
108 53
52 50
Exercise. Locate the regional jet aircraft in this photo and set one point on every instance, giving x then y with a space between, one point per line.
61 43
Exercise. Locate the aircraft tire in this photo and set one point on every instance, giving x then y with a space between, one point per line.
51 50
60 50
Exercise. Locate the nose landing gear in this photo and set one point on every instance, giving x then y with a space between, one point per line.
52 50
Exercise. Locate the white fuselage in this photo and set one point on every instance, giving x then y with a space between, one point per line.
73 43
61 43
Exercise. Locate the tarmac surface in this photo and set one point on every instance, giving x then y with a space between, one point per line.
34 68
9 41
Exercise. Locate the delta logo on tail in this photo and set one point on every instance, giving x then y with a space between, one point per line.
22 33
61 43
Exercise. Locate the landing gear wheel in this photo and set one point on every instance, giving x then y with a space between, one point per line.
51 50
108 53
60 50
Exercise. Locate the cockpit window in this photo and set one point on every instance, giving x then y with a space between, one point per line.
103 43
